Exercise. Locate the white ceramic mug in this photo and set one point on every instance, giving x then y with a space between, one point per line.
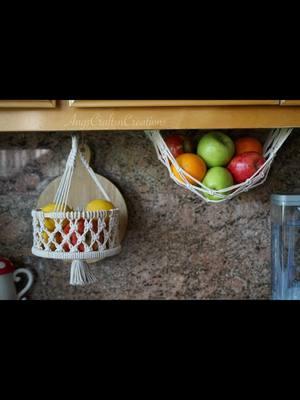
8 289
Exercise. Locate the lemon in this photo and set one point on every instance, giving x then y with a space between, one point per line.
99 205
46 238
51 207
49 223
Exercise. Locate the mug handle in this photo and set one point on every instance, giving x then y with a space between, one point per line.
18 278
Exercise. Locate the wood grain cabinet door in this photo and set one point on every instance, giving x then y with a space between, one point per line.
27 103
167 103
290 102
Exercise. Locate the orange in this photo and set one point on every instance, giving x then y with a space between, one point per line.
192 164
247 144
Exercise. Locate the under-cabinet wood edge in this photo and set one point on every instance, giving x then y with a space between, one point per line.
27 104
166 103
66 118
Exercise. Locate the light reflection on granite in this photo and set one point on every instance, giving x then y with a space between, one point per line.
176 247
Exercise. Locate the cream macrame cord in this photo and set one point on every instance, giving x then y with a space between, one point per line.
275 140
99 236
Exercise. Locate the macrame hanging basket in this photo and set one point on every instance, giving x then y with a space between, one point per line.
78 235
274 141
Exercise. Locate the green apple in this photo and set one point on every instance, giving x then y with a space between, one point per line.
217 178
216 149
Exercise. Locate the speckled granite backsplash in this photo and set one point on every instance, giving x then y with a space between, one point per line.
176 246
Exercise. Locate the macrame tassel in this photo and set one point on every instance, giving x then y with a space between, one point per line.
81 274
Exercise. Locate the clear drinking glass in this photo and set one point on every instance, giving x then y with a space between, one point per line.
285 227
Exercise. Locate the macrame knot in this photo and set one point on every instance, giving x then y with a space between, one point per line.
272 144
76 235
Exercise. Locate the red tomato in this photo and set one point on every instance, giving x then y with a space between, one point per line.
175 145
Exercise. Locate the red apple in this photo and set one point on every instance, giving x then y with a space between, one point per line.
243 166
73 238
175 145
95 225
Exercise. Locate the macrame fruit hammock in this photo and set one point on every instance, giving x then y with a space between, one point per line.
274 141
69 232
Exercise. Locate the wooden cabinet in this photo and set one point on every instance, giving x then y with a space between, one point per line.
290 102
27 103
166 103
118 115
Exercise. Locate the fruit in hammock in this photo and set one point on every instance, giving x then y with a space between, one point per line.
216 149
189 144
243 166
192 164
175 144
246 144
73 237
217 178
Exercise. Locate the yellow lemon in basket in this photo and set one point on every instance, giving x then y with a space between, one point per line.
192 164
46 238
49 223
99 205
